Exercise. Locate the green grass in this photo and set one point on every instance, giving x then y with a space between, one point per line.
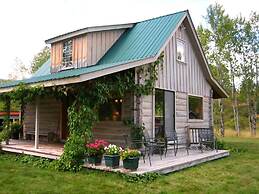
238 173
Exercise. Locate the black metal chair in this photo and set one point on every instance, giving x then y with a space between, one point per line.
171 142
207 139
139 144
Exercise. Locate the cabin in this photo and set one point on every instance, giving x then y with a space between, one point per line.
184 91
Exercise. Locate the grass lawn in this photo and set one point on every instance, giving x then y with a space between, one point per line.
238 173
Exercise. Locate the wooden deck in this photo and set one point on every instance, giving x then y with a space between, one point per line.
168 164
46 150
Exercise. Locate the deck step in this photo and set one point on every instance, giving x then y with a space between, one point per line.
30 152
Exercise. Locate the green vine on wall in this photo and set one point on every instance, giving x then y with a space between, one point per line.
82 113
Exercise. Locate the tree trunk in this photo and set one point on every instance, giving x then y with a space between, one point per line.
235 110
234 101
222 124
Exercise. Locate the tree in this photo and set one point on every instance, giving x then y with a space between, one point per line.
39 59
214 40
20 71
249 52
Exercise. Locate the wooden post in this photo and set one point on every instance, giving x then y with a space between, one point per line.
37 123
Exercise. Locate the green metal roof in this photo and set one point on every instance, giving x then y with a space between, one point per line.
43 70
143 40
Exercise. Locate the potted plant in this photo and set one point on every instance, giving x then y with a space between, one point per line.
5 135
130 159
95 151
112 156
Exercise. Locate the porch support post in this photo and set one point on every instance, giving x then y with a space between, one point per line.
37 123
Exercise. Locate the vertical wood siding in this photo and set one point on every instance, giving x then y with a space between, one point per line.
182 77
56 55
98 44
49 116
87 49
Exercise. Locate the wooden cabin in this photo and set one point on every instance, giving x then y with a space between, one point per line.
183 94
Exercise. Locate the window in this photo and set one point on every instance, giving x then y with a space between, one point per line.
111 111
195 107
180 50
67 54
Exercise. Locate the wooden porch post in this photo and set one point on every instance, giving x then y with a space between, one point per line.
37 123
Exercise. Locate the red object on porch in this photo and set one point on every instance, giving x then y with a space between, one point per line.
12 113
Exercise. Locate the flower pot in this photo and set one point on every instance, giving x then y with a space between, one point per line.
96 160
131 163
112 161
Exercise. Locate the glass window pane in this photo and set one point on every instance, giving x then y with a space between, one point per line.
111 111
195 107
180 51
159 113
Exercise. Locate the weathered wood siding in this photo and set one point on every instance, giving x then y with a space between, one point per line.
182 77
147 113
86 50
49 116
99 43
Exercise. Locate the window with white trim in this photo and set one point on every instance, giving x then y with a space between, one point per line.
180 49
195 107
67 54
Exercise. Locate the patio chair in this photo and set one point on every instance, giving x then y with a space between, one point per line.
207 139
171 142
140 145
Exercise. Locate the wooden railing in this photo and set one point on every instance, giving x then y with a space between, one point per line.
193 134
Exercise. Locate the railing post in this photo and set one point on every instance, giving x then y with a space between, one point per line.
37 123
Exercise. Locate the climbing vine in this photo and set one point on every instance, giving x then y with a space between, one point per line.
87 97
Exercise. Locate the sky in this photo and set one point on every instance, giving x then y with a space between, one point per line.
25 25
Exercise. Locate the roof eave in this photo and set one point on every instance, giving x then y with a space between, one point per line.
219 92
87 30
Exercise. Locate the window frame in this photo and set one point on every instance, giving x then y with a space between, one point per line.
184 50
188 107
63 65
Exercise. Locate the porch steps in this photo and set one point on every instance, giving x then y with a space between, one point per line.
33 152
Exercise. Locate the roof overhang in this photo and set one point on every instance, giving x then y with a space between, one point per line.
218 91
87 30
86 76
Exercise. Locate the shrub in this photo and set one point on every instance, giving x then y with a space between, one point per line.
5 135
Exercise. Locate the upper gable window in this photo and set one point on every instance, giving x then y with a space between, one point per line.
180 48
67 54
